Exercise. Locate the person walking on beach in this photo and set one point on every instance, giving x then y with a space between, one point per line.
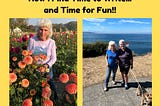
125 62
111 63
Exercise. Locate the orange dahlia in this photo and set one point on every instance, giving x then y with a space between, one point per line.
29 52
46 92
48 77
47 85
27 102
75 79
71 88
64 78
28 59
72 76
47 102
25 83
14 58
14 39
44 83
21 64
43 57
24 52
42 69
12 77
32 92
35 58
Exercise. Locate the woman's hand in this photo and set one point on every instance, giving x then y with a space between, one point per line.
117 62
46 66
107 64
106 58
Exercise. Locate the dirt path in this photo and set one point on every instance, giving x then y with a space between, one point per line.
94 69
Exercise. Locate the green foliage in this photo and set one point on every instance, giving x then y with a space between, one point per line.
68 99
31 72
66 52
22 23
71 25
94 49
18 93
65 27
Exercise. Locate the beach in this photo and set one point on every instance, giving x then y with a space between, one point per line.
94 69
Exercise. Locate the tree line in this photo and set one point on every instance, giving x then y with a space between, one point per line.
24 25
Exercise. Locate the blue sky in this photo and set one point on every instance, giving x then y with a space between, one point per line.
118 25
33 21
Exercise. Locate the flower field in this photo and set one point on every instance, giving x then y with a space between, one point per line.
29 81
66 43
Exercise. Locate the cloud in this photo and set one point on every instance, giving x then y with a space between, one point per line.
95 19
111 23
132 21
128 21
96 24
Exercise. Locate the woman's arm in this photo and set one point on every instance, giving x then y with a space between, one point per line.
106 58
117 58
30 44
131 59
53 57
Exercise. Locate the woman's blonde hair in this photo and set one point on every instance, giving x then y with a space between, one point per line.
110 44
45 22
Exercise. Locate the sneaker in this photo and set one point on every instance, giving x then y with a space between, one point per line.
106 89
126 87
113 82
122 83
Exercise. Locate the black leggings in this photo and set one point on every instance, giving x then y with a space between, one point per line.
53 88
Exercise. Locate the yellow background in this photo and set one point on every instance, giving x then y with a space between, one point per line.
25 9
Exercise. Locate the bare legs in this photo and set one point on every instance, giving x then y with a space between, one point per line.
125 80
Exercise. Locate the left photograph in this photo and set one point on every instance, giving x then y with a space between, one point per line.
43 62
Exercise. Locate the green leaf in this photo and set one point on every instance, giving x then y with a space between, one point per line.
37 101
20 90
12 91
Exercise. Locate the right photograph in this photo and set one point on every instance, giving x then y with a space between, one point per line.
117 61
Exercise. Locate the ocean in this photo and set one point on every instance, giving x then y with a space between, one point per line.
139 43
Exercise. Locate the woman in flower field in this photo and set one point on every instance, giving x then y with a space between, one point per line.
43 44
31 59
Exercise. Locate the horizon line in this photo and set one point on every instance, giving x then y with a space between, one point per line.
115 33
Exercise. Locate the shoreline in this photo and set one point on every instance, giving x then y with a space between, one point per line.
134 55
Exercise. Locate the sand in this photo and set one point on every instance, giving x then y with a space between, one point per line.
94 69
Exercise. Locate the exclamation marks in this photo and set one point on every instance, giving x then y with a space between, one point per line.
113 9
